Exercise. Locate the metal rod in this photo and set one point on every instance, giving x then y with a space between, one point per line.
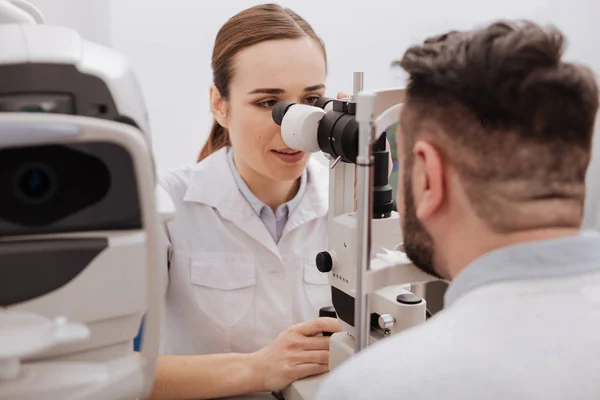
337 160
365 199
358 84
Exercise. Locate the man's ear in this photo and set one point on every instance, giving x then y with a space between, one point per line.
428 180
218 106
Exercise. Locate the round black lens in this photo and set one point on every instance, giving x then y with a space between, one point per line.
36 183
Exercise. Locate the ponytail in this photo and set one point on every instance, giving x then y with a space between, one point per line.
218 138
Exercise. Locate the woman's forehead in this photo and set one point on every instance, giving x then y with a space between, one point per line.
283 64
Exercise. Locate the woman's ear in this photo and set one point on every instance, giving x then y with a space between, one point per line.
218 106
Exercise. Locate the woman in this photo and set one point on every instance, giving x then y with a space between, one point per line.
243 291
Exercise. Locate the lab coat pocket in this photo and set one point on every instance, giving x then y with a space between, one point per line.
223 285
316 284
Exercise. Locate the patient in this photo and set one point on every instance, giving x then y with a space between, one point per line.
497 133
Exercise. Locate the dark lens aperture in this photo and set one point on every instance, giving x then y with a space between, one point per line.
36 183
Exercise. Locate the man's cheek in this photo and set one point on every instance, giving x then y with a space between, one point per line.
399 190
400 203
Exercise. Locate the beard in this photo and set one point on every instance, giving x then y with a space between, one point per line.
418 244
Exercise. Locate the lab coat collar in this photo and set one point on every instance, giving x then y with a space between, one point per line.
314 204
212 183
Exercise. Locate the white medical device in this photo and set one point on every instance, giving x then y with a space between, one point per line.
369 274
80 218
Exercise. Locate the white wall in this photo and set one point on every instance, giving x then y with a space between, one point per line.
91 18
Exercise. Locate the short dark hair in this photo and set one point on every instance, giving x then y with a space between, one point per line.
510 116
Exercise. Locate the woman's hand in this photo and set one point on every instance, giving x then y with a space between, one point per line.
296 353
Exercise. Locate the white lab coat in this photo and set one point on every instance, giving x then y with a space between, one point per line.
231 288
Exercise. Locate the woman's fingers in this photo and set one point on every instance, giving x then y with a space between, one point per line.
310 369
312 357
316 343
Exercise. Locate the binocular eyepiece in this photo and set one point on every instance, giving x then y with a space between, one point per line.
282 107
330 126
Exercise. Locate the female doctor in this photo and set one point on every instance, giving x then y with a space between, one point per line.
243 292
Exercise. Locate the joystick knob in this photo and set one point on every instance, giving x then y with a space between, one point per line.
324 262
328 311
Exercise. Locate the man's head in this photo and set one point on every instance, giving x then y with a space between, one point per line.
495 137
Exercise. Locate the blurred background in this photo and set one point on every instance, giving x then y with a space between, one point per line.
169 43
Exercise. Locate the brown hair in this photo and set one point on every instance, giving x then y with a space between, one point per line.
252 26
513 119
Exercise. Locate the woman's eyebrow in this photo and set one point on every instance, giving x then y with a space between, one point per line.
281 91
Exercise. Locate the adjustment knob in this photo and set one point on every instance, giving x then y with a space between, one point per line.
408 298
328 311
386 321
324 262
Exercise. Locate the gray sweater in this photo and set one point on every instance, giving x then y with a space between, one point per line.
520 323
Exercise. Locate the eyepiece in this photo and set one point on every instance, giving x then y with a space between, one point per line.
323 101
279 111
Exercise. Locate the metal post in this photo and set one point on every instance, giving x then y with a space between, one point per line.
364 170
358 84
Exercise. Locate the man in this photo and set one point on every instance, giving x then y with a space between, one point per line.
496 142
